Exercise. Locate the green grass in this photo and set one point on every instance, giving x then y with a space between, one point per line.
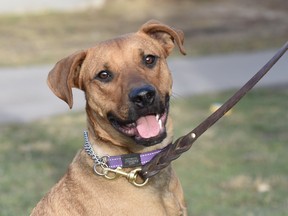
238 167
225 170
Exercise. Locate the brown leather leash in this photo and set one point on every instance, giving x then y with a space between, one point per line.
184 143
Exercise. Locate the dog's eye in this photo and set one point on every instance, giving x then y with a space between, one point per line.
150 60
104 76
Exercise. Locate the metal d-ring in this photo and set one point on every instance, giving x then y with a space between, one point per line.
103 167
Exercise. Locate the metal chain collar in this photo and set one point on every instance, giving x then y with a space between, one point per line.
90 151
101 168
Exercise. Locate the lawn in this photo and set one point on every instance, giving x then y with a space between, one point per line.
238 167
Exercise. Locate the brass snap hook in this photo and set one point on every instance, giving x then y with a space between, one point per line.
131 176
133 180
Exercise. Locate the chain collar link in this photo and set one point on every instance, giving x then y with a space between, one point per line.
102 161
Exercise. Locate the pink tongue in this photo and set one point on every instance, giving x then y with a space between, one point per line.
148 126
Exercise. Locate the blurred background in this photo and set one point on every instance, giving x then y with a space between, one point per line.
44 31
238 167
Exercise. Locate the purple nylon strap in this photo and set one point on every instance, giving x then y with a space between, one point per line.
131 160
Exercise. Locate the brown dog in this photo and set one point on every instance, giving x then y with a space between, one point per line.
127 85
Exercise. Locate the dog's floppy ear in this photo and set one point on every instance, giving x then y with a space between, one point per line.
65 75
165 35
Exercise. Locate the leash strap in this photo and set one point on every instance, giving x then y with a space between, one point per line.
184 143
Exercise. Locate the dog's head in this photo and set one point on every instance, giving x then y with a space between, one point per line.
126 82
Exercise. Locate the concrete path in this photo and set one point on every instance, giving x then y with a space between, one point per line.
24 95
28 6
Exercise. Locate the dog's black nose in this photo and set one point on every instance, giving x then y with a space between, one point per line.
142 96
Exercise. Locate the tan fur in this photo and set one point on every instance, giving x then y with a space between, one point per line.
80 191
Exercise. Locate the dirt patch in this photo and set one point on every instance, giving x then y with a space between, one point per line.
216 26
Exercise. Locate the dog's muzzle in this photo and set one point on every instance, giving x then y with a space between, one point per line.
147 116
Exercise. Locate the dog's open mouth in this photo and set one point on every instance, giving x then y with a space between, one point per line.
147 130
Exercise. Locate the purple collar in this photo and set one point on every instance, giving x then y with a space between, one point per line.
131 160
123 161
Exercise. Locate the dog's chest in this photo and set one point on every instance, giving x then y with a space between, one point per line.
119 197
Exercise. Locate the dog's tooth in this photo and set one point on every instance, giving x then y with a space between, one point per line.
157 117
131 125
160 123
